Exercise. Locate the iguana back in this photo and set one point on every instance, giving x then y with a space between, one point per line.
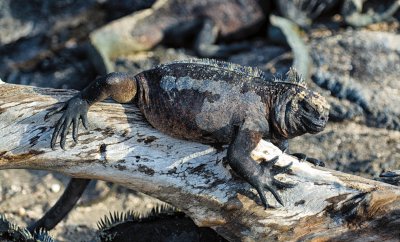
201 100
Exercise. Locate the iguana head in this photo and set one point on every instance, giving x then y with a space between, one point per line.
298 110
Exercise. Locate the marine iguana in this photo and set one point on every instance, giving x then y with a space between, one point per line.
211 21
192 100
12 232
171 225
177 22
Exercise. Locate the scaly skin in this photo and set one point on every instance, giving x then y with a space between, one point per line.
190 100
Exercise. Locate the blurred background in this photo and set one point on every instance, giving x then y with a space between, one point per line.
348 50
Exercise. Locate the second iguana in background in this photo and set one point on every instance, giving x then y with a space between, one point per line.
210 102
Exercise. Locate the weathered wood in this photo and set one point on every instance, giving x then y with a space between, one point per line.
120 147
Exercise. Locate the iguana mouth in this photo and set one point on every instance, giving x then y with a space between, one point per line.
314 126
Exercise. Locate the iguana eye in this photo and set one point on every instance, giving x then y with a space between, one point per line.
306 107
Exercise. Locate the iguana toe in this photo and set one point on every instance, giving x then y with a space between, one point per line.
269 182
275 170
304 157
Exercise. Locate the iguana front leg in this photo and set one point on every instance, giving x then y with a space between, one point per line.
120 86
260 176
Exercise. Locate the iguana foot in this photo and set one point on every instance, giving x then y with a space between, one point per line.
391 177
74 109
268 181
303 157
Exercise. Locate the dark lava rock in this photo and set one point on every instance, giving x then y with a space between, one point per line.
44 42
24 19
67 67
362 67
352 148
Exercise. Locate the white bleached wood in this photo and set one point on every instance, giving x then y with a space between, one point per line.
122 148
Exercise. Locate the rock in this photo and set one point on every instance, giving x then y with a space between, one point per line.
25 19
117 9
51 53
68 67
43 43
361 150
363 68
55 187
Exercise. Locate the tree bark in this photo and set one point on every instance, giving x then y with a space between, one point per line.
120 147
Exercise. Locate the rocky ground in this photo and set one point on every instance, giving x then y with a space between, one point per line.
356 69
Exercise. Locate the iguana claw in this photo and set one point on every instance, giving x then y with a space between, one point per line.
304 157
270 170
74 109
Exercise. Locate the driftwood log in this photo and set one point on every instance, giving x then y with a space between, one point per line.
121 147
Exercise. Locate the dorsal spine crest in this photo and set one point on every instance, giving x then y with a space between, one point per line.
245 70
292 77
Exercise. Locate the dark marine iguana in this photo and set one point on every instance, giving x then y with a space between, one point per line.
12 232
212 25
192 100
171 225
176 22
